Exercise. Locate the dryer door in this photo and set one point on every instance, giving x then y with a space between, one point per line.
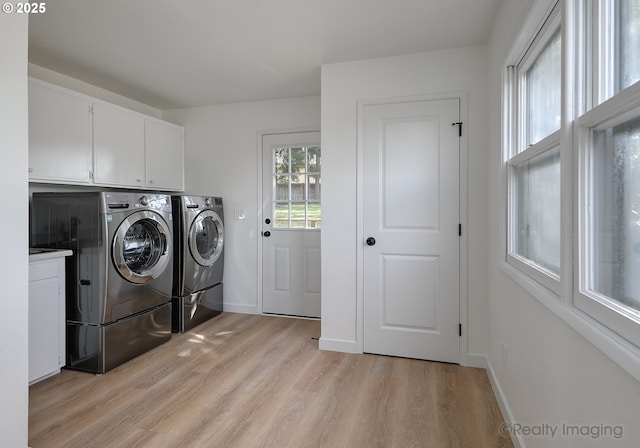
206 238
142 247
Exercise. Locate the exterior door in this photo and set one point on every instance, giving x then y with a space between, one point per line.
411 229
291 224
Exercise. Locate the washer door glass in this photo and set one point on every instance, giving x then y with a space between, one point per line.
206 237
142 247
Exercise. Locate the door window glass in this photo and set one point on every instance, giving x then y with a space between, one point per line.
296 187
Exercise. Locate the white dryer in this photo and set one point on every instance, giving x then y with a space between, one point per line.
199 260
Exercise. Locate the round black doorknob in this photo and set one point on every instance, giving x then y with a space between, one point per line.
371 241
267 234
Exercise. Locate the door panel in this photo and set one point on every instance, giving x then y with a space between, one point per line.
291 224
282 268
411 209
410 173
415 276
312 270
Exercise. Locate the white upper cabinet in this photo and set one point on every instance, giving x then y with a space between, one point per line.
75 139
164 155
59 136
118 147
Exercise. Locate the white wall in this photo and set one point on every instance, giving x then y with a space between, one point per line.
221 159
343 85
552 374
14 225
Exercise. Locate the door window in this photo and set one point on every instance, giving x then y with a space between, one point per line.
296 187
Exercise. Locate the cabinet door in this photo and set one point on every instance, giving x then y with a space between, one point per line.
164 155
43 328
59 136
118 147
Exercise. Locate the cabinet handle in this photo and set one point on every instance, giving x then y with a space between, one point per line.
31 170
138 180
150 181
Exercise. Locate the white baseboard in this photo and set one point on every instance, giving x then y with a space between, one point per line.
517 440
339 345
476 360
240 308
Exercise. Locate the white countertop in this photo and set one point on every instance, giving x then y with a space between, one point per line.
37 254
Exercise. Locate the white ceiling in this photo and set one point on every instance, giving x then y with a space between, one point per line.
183 53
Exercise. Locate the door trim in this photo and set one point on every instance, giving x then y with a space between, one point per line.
464 145
264 198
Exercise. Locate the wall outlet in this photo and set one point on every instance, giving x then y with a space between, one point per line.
238 213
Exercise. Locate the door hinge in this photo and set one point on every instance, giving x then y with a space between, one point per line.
459 229
459 124
460 330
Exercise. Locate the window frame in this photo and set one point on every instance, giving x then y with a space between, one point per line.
516 151
615 110
582 109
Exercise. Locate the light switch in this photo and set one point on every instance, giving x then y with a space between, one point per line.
239 213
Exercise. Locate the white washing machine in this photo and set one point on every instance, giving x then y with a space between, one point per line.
119 278
199 260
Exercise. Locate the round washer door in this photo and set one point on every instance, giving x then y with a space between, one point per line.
142 247
206 238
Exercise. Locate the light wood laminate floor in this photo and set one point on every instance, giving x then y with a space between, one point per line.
258 381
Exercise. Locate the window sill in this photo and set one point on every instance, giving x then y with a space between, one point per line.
620 351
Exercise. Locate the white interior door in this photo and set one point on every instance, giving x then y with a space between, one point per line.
291 224
411 229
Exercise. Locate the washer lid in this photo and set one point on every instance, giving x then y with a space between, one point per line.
206 238
141 247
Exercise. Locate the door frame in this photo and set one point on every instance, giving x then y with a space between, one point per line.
463 175
263 199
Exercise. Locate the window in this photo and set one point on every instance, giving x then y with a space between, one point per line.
628 47
616 42
608 252
542 82
537 209
616 213
297 187
572 151
533 159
